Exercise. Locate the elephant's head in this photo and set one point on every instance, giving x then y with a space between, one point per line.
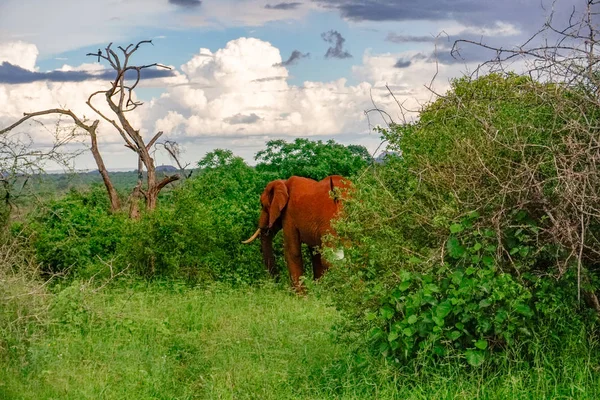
273 201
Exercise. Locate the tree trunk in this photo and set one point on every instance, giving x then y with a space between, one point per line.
115 202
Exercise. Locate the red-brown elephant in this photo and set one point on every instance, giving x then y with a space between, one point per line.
303 208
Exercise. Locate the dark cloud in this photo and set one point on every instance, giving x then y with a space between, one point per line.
402 63
337 51
242 119
526 15
283 6
186 3
13 74
294 57
392 37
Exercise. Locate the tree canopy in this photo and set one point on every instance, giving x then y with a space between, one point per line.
311 159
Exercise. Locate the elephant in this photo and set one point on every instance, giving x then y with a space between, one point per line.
303 208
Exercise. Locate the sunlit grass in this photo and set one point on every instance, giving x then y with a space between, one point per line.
141 341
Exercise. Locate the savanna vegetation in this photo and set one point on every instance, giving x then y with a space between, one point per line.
471 268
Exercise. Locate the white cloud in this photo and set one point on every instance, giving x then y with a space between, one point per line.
240 90
238 98
19 53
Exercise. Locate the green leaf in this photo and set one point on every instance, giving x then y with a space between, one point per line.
453 335
475 358
523 309
387 312
455 228
407 332
439 350
485 303
488 260
481 344
431 287
404 285
371 316
455 249
412 319
392 336
443 309
474 215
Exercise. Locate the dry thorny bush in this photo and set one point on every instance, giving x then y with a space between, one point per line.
557 181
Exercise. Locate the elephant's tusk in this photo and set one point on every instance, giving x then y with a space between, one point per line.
256 234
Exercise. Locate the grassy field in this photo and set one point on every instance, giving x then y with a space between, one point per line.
158 341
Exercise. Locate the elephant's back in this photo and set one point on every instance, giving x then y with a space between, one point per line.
311 207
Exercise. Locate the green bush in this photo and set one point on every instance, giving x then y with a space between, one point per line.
198 235
484 160
71 234
471 303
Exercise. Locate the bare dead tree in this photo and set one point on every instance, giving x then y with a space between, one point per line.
174 151
119 97
21 159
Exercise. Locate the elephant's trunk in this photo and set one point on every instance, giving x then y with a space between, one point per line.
267 252
253 237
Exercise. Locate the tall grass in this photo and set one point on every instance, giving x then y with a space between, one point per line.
169 341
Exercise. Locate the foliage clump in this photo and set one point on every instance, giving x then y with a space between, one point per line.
72 234
472 241
198 236
311 159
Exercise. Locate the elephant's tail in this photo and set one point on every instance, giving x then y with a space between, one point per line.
335 199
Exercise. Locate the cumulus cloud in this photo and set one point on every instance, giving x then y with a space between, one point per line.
239 97
19 54
247 94
336 39
283 6
294 57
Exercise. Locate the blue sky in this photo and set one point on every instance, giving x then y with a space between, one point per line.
235 94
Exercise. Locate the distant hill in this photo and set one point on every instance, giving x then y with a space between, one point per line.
166 169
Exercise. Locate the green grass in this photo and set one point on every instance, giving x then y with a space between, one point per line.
157 341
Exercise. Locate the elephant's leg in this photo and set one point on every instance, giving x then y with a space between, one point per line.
292 247
319 265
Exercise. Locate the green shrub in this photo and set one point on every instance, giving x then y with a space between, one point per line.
199 234
486 160
471 303
73 233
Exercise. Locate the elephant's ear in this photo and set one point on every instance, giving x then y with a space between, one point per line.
280 199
